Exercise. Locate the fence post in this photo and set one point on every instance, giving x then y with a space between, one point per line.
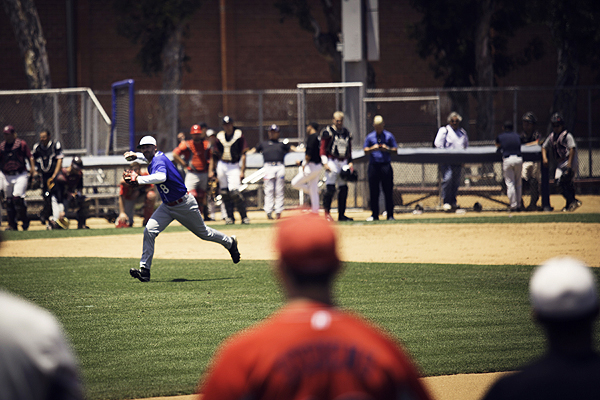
56 118
260 117
515 105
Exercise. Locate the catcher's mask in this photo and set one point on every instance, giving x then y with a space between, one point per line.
348 174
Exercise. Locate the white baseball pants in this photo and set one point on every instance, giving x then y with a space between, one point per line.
14 185
333 175
228 175
308 181
512 167
274 185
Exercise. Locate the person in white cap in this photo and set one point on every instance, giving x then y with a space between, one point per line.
273 152
177 204
564 299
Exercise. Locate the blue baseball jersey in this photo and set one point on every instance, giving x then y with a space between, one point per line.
173 188
378 156
510 144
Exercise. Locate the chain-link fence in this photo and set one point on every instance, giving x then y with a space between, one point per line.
73 116
414 115
77 118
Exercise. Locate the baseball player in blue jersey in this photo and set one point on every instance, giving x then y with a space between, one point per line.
177 204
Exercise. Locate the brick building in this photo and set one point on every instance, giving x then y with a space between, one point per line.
260 52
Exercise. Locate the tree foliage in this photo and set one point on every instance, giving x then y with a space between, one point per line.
467 43
447 34
151 24
32 43
159 26
574 28
30 37
325 39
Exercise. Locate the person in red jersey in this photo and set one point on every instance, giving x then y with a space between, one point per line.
195 157
310 348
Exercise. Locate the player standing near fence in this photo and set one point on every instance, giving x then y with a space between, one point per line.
48 157
561 144
231 146
195 158
67 192
531 169
509 144
451 136
336 154
177 204
14 153
311 167
273 152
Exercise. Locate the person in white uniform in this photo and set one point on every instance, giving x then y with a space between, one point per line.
311 167
273 152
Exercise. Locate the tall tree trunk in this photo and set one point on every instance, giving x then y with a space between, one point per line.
172 63
484 65
567 75
28 33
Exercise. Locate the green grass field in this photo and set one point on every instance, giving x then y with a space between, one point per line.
139 340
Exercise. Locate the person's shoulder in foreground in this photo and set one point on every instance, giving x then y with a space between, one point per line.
564 300
37 362
310 348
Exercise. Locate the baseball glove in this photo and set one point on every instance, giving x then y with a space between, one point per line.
130 177
348 174
213 186
566 178
122 221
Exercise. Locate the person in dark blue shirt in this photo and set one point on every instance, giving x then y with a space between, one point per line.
379 145
509 144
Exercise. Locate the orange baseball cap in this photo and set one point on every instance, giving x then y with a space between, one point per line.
307 245
195 129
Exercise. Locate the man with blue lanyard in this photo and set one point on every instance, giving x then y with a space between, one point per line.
177 204
379 144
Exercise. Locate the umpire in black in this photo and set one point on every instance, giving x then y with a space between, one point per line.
379 144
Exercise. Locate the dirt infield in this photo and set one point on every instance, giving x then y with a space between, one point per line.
493 244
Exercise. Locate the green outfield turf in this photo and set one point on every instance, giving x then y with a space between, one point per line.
139 340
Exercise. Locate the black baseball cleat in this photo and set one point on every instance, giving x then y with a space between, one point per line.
143 274
344 218
235 253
